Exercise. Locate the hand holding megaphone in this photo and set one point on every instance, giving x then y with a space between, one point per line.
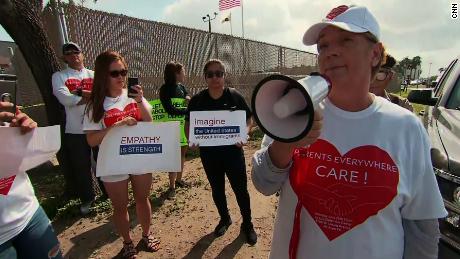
284 108
281 152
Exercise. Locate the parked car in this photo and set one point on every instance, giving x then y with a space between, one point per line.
415 82
441 119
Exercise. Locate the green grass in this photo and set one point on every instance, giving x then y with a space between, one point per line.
417 107
256 134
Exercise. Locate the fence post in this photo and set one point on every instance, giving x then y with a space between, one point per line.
63 34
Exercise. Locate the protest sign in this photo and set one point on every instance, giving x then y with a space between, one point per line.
217 128
19 152
160 115
143 148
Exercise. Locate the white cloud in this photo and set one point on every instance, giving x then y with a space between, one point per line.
408 28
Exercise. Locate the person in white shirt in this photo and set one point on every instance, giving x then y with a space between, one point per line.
25 229
109 107
355 186
72 87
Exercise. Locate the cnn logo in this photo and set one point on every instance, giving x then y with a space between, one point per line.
454 11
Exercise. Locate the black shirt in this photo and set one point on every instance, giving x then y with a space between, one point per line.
231 100
172 91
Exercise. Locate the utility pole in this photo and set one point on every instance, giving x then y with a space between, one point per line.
429 71
208 19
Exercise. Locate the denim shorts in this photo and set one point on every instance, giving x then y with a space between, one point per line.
37 240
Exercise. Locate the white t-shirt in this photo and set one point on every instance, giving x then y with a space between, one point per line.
66 81
115 109
356 183
17 205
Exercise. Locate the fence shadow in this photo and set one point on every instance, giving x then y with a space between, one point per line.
86 243
200 247
232 249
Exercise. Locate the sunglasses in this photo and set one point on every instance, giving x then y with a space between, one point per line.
117 73
382 75
71 52
211 74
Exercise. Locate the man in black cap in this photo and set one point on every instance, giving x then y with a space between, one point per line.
383 79
72 87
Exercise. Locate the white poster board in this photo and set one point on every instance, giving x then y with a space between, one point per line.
19 152
217 128
140 149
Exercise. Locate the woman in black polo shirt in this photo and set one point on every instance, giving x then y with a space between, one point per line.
219 161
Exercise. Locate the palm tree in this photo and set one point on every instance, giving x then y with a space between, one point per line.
414 63
404 65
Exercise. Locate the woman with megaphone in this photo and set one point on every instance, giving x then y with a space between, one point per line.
352 186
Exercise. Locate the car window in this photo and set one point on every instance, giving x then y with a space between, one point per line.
442 81
454 99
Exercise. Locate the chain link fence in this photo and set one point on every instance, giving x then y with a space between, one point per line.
148 45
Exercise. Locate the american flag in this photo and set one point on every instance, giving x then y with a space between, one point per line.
228 4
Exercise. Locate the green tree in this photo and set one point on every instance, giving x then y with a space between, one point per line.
403 66
414 63
22 20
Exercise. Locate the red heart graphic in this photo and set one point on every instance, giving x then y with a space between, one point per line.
5 184
74 84
113 115
341 192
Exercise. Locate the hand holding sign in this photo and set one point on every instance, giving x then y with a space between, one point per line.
20 152
130 121
217 128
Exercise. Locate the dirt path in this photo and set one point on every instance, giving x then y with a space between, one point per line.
184 225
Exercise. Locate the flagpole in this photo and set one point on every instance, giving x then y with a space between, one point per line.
242 19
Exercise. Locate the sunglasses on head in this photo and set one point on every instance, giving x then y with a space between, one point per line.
71 52
211 74
117 73
382 75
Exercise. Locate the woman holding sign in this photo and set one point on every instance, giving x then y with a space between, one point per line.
221 161
174 99
25 229
109 107
355 186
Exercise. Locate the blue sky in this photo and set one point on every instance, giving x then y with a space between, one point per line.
408 28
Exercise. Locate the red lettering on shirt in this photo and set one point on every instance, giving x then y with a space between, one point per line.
341 192
5 184
113 115
74 84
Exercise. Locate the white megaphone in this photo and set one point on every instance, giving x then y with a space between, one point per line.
283 107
